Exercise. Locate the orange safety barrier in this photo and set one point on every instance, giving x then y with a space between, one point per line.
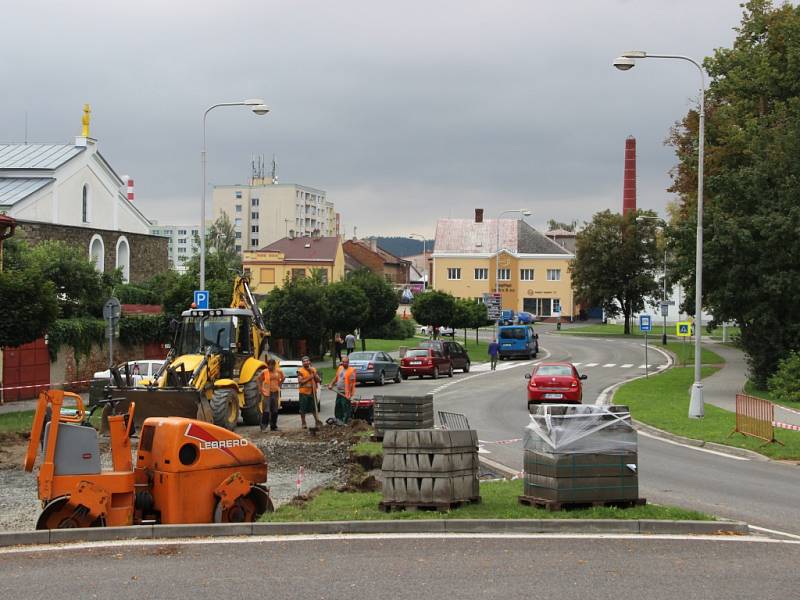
755 417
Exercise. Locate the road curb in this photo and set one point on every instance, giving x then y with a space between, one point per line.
172 532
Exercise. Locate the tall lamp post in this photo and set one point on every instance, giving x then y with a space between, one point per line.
662 226
424 255
625 63
525 213
258 107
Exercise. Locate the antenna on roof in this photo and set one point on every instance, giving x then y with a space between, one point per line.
274 170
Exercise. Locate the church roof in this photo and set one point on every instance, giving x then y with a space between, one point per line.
37 156
14 189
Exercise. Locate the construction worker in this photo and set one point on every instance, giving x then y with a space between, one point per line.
270 385
345 382
307 380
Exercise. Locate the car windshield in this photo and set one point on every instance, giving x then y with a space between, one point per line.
554 370
362 355
290 371
517 333
416 353
216 332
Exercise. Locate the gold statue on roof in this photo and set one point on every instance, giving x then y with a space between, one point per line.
85 120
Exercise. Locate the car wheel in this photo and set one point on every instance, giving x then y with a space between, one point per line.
403 375
436 372
397 377
381 379
450 372
466 367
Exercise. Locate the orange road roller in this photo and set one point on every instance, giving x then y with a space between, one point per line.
187 471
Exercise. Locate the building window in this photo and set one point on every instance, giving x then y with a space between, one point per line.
481 273
237 222
504 274
85 204
254 229
97 252
181 232
124 258
238 235
181 250
556 305
238 248
254 215
254 241
454 273
238 208
526 274
238 194
541 307
181 240
553 274
254 202
298 273
267 276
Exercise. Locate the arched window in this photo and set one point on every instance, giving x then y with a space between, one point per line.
85 208
97 252
124 258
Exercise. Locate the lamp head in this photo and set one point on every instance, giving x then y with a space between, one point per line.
253 102
260 109
624 63
526 213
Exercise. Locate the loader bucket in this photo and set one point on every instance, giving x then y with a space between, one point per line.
162 402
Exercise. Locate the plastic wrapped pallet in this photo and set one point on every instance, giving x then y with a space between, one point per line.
581 454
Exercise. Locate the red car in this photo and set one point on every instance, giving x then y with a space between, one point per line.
555 382
425 361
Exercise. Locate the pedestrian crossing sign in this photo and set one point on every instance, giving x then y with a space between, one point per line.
683 329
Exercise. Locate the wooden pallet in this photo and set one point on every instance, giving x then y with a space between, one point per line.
388 507
552 505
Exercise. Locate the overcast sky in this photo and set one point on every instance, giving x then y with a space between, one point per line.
402 111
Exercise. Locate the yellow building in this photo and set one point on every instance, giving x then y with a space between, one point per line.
294 257
532 270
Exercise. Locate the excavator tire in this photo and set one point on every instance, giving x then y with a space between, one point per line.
251 411
225 408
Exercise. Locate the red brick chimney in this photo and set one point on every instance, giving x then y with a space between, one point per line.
479 215
629 179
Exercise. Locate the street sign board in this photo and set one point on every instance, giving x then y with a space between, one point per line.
683 329
201 298
112 309
664 309
645 323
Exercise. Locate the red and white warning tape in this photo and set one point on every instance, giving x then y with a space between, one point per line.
788 426
43 385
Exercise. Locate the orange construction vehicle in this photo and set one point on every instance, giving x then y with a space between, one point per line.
187 471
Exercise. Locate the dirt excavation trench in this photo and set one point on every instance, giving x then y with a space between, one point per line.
324 460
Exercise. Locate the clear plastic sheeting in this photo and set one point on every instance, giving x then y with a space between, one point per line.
580 429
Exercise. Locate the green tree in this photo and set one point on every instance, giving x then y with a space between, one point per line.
383 301
347 307
751 215
29 306
433 308
552 224
297 311
615 261
463 315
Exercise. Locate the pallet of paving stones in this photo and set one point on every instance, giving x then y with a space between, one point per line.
388 507
554 506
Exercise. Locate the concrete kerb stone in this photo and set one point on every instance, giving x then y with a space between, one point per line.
166 532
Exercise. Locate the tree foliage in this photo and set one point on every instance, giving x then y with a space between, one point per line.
29 307
751 215
433 308
383 301
615 261
348 306
552 224
297 311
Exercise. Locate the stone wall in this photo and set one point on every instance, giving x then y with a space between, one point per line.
67 368
148 253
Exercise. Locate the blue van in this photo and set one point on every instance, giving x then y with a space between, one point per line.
517 340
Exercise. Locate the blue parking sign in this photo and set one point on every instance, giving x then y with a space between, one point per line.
201 298
645 323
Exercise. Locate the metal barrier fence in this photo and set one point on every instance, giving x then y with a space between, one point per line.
453 421
755 417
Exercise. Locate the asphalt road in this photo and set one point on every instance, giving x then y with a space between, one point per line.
763 493
412 568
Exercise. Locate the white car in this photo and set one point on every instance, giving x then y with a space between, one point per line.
428 330
290 395
139 369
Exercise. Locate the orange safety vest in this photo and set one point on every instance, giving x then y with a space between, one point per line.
308 387
349 380
264 384
276 379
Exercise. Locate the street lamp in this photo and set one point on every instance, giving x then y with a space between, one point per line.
664 305
258 107
624 63
424 255
525 213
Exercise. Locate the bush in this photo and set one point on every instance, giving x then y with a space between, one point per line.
133 294
785 383
396 329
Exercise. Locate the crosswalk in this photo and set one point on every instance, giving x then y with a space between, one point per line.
649 366
501 366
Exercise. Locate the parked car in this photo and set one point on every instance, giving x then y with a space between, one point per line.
555 382
377 367
428 330
139 370
452 350
425 361
290 395
517 340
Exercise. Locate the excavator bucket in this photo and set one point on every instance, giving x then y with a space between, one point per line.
162 402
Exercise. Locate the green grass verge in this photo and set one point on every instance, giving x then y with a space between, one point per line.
663 402
499 501
732 332
684 353
616 329
21 422
753 390
367 449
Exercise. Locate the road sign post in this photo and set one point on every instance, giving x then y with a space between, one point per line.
645 325
112 310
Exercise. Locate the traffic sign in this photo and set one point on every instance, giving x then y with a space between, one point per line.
645 323
683 329
112 309
201 298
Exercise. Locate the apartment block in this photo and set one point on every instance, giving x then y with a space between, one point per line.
181 242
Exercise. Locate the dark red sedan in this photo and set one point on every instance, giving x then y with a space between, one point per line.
425 361
555 382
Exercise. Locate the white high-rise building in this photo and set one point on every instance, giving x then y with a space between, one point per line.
263 212
181 244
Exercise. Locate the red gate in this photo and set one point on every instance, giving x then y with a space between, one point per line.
26 365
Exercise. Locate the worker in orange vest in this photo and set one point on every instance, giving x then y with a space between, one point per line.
345 382
270 387
307 379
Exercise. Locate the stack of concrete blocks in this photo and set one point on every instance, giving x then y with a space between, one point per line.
430 467
402 412
581 454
